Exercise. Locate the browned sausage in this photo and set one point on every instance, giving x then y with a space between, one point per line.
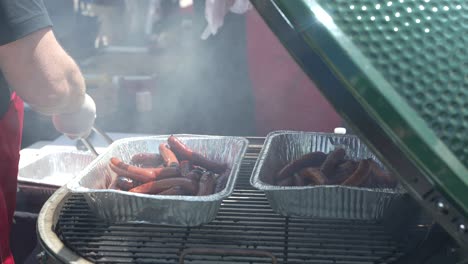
170 159
176 190
380 177
222 180
185 152
333 159
313 176
185 167
190 187
152 160
342 172
128 174
298 180
142 174
289 181
206 186
313 159
125 184
194 175
360 175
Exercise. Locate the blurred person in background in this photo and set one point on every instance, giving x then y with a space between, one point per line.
284 96
33 68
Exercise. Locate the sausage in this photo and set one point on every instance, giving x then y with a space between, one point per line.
298 180
185 152
179 148
313 159
380 177
128 174
206 186
170 159
194 175
222 180
185 167
289 181
142 174
342 172
360 175
125 184
333 159
313 176
176 190
154 187
147 159
213 166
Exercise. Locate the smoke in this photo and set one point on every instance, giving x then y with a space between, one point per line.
202 86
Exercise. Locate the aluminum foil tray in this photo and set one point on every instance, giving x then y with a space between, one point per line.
54 169
325 201
120 206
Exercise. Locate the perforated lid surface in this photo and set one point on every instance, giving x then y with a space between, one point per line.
420 47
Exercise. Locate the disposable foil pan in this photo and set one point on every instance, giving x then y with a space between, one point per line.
54 169
325 201
119 206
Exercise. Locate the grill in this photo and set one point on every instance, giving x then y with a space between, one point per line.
245 231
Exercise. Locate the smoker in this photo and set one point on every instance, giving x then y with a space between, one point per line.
395 72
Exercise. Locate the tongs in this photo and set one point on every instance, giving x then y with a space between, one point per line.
90 146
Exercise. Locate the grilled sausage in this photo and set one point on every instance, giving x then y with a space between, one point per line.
194 175
298 180
342 172
289 181
222 180
313 176
170 159
313 159
142 174
128 174
185 167
380 177
176 190
186 153
206 186
152 160
154 187
333 159
125 183
359 176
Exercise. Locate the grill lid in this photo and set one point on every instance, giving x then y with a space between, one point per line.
396 71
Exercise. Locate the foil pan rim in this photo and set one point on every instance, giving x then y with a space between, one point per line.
256 182
75 187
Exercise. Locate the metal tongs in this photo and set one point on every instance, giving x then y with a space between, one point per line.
90 146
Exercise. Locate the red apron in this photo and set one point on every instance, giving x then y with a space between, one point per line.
11 126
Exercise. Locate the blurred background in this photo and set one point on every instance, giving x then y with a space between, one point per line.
151 71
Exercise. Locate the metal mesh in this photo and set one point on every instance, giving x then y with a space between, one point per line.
420 48
245 221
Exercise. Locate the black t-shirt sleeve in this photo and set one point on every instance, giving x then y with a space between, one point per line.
19 18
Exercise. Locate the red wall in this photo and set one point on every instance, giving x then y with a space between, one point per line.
285 98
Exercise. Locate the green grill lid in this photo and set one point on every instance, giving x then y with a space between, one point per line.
397 72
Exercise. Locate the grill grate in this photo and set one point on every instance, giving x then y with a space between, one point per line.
245 221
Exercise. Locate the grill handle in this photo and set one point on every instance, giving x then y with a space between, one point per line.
226 251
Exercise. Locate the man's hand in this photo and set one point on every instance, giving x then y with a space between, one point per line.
77 124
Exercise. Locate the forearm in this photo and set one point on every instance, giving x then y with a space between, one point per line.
41 72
